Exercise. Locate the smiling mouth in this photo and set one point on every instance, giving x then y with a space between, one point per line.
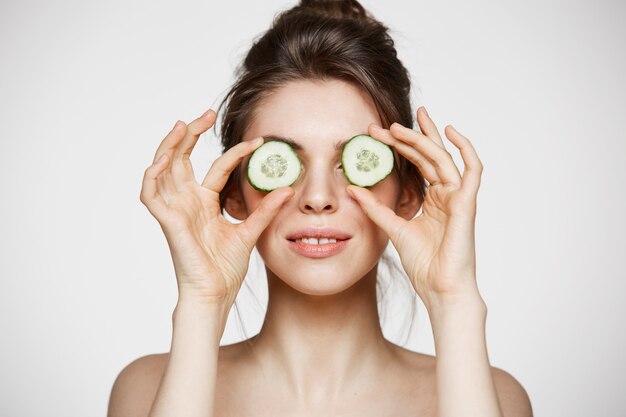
316 241
325 247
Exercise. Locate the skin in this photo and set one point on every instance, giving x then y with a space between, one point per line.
321 350
321 335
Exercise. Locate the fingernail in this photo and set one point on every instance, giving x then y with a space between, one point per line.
257 141
375 126
425 112
206 112
175 125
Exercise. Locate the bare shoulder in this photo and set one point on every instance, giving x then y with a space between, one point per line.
514 399
415 363
136 386
410 378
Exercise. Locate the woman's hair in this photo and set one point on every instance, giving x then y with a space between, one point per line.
322 40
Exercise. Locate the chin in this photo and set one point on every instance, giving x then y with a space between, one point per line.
318 280
316 285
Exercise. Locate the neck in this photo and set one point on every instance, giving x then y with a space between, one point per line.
322 345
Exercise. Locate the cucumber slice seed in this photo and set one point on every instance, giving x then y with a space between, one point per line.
366 161
272 165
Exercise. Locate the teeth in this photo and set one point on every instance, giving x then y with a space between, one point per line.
314 241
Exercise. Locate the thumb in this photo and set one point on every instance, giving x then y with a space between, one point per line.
376 210
256 222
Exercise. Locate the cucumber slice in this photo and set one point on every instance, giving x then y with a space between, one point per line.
366 161
272 165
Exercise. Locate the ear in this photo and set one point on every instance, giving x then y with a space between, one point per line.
234 203
408 203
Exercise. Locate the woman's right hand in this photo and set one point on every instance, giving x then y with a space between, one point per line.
210 254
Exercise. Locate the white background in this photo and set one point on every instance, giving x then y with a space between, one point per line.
89 88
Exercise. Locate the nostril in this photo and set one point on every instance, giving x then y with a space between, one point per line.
328 207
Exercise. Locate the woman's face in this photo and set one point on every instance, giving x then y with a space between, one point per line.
316 116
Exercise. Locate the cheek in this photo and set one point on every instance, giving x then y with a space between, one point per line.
252 198
369 230
388 190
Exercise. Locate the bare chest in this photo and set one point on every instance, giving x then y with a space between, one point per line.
377 406
372 407
397 397
404 387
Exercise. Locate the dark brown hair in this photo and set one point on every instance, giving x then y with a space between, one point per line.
321 40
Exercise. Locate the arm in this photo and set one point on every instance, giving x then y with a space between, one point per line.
188 385
181 383
465 386
210 257
437 250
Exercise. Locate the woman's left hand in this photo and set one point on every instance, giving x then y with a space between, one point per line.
437 247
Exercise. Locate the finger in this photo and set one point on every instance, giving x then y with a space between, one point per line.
440 158
427 126
425 167
220 170
165 181
149 194
194 130
166 185
182 170
169 143
473 167
258 220
376 210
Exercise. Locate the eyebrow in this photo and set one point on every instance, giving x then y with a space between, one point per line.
296 145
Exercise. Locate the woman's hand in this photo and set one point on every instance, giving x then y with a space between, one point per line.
210 254
437 247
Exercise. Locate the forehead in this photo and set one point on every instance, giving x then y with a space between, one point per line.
314 113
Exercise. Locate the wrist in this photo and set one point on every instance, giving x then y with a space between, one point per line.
467 306
462 323
189 308
200 307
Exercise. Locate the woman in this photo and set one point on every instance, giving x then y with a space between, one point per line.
325 72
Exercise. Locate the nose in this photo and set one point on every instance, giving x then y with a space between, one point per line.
318 192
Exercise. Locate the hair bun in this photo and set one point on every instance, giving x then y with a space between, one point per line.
350 9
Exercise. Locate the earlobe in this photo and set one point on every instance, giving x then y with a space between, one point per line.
235 205
408 204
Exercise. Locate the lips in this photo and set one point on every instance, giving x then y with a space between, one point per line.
318 251
319 233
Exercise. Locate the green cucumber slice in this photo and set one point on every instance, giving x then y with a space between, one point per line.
272 165
366 161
